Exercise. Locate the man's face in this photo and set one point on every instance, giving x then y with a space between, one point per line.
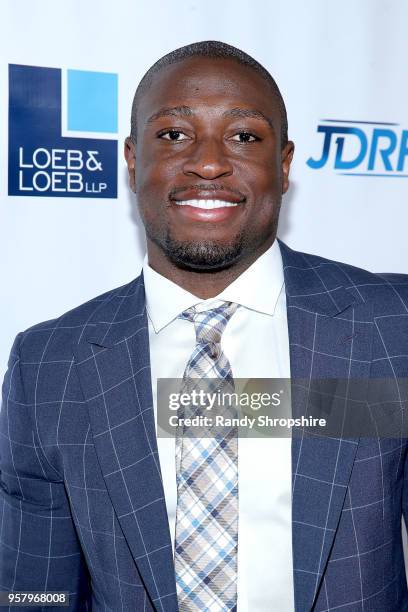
208 168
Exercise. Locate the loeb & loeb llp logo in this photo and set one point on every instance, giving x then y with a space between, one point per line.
362 148
62 132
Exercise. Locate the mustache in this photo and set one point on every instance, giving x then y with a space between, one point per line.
205 187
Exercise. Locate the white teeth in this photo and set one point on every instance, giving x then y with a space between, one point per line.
206 204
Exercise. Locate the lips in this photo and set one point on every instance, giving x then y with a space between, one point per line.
209 211
224 195
206 204
209 204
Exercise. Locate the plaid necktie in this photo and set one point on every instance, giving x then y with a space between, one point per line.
207 484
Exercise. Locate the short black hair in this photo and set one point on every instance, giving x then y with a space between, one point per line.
215 50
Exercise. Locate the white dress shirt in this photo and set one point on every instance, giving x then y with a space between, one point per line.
256 344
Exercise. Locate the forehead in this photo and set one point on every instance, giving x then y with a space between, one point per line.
207 83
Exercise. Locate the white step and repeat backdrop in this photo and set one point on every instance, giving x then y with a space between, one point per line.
68 72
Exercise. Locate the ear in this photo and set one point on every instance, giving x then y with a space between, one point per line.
130 156
287 156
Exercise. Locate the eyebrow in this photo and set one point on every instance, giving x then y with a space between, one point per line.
186 111
248 112
167 111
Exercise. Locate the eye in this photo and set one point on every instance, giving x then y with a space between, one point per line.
244 137
173 135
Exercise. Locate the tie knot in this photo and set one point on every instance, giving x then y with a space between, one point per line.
210 324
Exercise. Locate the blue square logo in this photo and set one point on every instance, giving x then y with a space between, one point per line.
42 161
92 101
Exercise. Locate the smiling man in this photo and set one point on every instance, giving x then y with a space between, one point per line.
213 160
93 502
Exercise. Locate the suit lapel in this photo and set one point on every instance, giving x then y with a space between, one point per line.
327 341
325 330
114 368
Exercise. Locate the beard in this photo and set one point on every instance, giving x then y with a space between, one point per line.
209 256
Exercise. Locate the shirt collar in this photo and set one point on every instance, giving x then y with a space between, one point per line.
257 288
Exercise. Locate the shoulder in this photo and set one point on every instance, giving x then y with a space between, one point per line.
56 336
388 291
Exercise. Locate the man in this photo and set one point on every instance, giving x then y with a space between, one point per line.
92 501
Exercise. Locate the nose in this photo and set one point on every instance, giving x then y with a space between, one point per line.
208 160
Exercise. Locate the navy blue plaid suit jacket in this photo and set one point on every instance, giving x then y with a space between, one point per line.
82 507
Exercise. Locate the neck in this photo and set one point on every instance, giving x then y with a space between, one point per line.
204 285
